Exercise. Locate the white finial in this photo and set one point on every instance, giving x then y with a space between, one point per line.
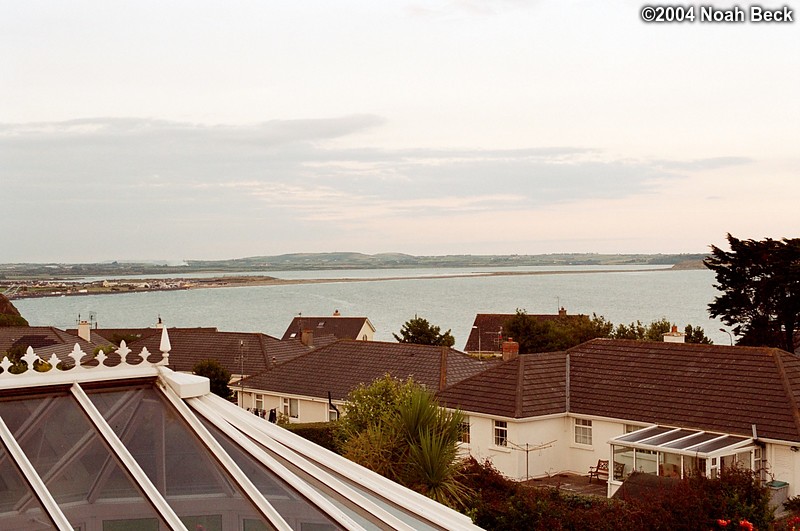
165 347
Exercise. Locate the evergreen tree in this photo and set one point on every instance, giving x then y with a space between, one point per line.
421 332
760 285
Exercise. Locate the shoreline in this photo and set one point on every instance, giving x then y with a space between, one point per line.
82 289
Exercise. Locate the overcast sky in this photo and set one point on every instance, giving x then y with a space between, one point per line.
208 130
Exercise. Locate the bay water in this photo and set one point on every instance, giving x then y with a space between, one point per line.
622 295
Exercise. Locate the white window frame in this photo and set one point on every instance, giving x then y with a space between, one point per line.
582 431
464 431
500 433
291 407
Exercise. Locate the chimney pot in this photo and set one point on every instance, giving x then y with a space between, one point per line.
510 349
307 337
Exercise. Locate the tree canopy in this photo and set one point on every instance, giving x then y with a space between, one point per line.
421 332
218 375
9 315
760 285
567 331
396 428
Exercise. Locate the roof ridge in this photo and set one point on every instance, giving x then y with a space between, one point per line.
787 386
520 386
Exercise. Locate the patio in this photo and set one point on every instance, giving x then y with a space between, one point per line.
572 483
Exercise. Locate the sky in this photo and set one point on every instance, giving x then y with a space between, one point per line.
148 130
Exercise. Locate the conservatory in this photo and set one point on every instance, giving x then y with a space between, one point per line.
679 452
124 443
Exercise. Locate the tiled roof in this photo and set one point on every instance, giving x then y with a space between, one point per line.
340 367
45 340
711 387
528 386
336 325
708 387
253 352
490 326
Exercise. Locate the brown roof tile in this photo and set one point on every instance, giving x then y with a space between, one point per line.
340 367
251 351
528 386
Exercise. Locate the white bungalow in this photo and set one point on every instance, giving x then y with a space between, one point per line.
668 409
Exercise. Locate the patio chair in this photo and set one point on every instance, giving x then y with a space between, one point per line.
600 471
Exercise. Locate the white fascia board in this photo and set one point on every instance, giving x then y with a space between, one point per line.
75 375
185 385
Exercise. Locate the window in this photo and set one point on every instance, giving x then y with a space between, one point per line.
500 433
290 407
583 431
630 428
333 414
463 434
259 402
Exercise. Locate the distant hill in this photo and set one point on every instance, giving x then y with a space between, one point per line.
327 261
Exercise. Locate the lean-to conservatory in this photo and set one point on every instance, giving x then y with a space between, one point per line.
679 452
124 443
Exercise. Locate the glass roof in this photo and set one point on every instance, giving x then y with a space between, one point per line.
140 447
682 440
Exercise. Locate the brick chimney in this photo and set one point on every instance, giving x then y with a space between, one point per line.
562 312
307 337
85 330
674 336
510 349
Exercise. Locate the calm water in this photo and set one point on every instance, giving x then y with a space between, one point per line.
622 296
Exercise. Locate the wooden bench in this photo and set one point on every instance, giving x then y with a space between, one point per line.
600 471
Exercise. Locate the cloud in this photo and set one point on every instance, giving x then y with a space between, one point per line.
287 181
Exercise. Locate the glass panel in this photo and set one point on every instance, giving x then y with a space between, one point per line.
73 461
203 523
670 465
694 440
172 455
646 461
136 524
669 437
14 496
643 434
295 509
725 442
623 462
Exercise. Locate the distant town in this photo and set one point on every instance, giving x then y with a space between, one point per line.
55 280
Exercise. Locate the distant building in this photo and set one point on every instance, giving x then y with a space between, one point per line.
308 328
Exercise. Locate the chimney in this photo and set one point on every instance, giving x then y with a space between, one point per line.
510 349
85 330
307 337
160 323
674 336
562 312
443 369
336 313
